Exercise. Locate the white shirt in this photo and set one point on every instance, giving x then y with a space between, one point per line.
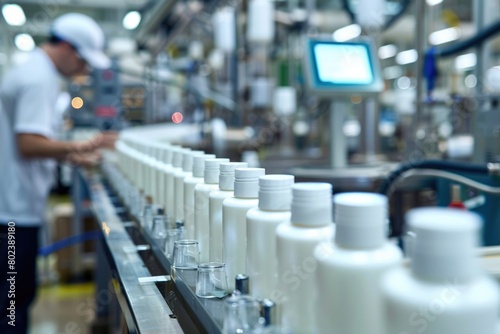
28 96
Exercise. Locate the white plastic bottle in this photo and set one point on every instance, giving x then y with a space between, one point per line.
189 183
216 197
170 180
165 169
201 212
234 220
310 224
350 269
187 170
275 199
445 290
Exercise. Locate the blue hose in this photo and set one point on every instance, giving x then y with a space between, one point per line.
74 239
430 63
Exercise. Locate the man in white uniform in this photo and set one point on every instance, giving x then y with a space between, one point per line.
29 150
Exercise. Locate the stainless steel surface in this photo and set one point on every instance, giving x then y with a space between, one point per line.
149 310
338 146
353 178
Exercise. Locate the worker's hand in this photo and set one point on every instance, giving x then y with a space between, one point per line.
88 160
102 140
108 139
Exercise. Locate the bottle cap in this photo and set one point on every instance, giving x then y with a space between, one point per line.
275 192
199 164
444 243
177 156
311 204
360 220
212 170
187 160
226 175
246 182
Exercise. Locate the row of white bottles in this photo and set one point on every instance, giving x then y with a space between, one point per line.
345 278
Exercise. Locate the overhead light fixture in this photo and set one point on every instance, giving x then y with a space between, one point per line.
77 102
24 42
347 33
131 20
465 61
407 57
13 14
445 36
434 2
387 51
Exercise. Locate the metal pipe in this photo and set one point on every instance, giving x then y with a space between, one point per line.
444 175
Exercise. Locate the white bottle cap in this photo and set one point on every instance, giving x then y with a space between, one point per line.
212 170
275 192
226 176
199 164
360 220
246 182
311 204
445 243
187 160
177 157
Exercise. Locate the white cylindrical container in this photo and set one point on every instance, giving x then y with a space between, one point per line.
260 28
177 154
216 197
310 224
224 21
445 290
234 220
285 100
189 183
275 199
201 211
165 169
350 269
187 170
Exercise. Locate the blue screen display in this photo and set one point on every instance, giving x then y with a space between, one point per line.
342 64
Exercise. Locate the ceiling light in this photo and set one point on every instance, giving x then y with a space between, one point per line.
131 20
387 51
24 42
434 2
465 61
13 14
407 57
445 36
347 33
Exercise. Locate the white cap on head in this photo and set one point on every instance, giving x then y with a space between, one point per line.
85 35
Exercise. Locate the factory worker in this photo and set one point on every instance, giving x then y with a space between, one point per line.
29 150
